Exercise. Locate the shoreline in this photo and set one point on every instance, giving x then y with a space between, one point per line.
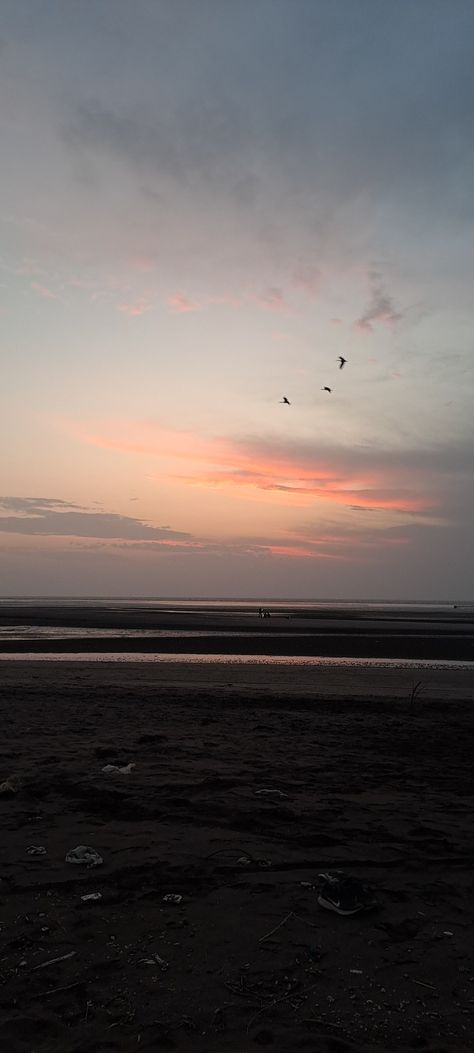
348 684
329 633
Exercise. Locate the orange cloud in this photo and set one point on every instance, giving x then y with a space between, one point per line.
298 475
396 500
301 552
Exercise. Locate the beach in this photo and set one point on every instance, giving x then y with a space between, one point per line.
414 632
247 781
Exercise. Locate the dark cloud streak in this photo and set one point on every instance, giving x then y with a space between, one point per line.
47 517
381 307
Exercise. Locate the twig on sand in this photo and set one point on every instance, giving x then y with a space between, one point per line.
276 1001
67 987
52 961
415 691
421 983
279 926
319 1020
233 850
242 993
305 921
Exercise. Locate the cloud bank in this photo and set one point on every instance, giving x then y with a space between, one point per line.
53 517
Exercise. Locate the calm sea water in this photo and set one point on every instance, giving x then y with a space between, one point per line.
233 606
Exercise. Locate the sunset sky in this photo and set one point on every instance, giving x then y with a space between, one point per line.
203 204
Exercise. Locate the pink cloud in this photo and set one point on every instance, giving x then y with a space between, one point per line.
272 299
296 476
143 264
374 495
225 300
136 308
181 304
280 337
43 291
28 267
308 279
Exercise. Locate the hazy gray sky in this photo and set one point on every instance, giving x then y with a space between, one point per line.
203 204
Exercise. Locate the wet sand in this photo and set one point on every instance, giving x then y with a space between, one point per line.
247 959
405 634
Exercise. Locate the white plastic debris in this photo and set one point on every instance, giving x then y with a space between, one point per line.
84 855
274 793
123 769
10 786
36 850
91 896
155 960
172 897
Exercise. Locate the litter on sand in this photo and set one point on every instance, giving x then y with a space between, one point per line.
91 896
344 894
172 897
52 961
123 769
84 855
155 960
36 850
10 786
274 793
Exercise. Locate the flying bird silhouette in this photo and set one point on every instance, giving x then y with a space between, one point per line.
342 362
327 389
285 401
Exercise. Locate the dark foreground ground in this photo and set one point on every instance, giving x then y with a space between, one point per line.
247 959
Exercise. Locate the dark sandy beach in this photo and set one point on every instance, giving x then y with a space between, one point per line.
363 785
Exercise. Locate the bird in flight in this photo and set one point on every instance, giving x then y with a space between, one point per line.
326 389
342 362
285 401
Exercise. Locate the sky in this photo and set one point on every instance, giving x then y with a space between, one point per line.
203 204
